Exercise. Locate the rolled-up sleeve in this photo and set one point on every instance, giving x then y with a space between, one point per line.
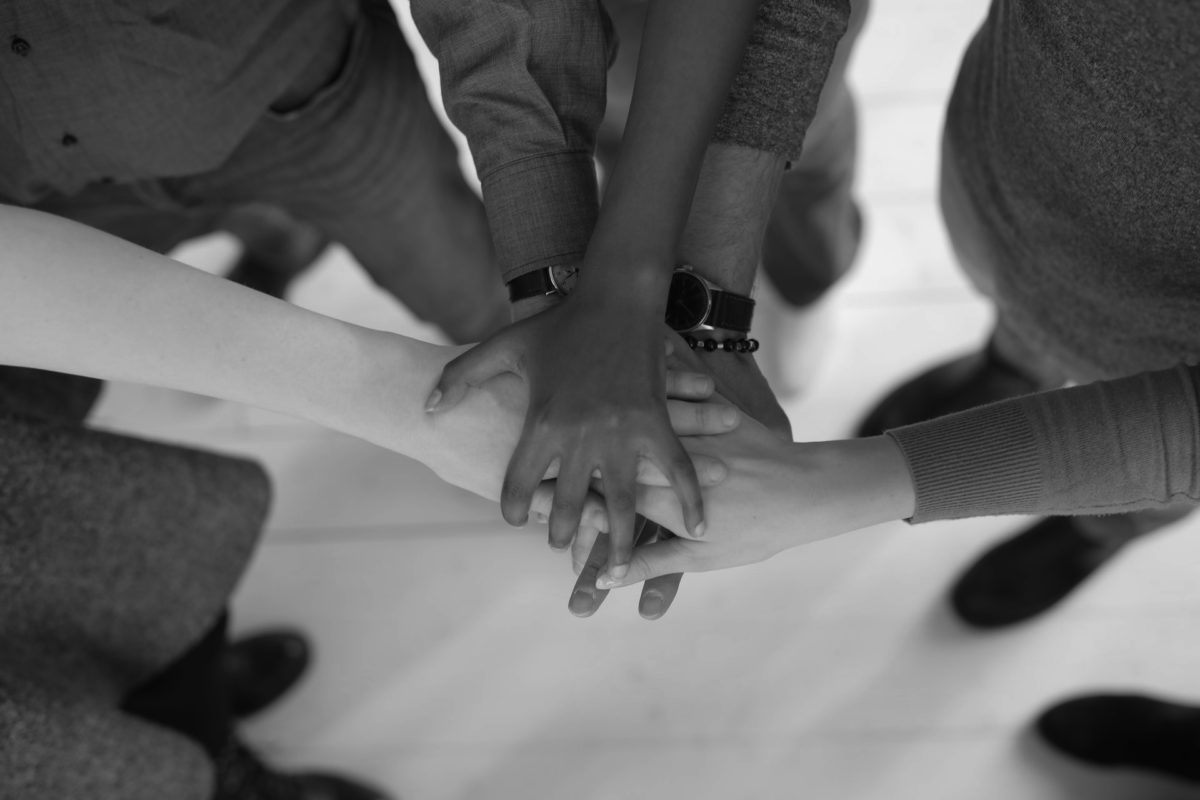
524 80
775 92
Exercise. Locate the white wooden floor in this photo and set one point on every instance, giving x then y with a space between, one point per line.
448 667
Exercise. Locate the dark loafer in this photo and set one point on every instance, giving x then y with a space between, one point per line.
1029 573
260 669
1127 730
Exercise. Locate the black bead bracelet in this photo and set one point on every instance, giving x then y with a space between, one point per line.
728 345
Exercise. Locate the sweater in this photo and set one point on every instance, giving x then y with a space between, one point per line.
1076 130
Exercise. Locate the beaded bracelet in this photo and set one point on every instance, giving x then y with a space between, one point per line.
728 345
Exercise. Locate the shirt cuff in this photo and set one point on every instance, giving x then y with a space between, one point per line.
541 210
977 463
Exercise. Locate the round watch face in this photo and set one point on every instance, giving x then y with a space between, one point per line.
563 278
688 302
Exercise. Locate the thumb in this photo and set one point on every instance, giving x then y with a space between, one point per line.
473 368
664 557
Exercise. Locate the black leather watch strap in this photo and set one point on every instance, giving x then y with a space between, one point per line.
532 284
731 312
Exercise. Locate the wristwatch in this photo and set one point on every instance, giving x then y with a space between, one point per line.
697 304
558 279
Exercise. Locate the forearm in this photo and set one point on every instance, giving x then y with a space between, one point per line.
75 300
1107 447
734 197
689 54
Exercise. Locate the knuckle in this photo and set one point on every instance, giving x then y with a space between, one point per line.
565 505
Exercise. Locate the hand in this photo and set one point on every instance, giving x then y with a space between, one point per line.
589 554
737 378
778 495
597 405
474 440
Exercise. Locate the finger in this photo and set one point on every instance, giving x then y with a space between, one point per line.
620 501
682 475
710 471
594 516
688 385
525 471
660 505
702 419
652 561
581 547
586 597
570 493
541 501
657 593
472 368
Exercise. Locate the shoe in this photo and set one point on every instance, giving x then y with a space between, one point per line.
1127 730
241 775
1029 573
968 381
276 248
260 669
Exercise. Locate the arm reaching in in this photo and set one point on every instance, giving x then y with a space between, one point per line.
75 300
594 362
1111 446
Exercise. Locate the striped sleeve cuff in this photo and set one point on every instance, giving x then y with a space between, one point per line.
977 463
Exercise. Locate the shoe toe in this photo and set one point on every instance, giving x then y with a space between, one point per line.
1027 574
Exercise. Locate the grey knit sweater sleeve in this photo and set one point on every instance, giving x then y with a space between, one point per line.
775 92
1106 447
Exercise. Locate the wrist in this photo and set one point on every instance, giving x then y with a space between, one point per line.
868 477
630 291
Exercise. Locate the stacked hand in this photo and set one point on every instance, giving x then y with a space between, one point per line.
597 410
777 495
737 379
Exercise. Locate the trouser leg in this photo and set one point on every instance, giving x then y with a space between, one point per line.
816 225
366 161
981 253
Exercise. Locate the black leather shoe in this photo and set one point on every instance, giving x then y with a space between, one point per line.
1027 574
240 775
260 669
1127 730
968 381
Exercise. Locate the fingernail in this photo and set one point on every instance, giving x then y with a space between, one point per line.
651 605
700 530
729 415
581 602
705 385
619 571
606 582
433 400
540 517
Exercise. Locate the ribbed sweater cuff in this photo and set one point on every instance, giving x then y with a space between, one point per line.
981 462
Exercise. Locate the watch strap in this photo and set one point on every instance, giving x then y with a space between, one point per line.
536 283
729 311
